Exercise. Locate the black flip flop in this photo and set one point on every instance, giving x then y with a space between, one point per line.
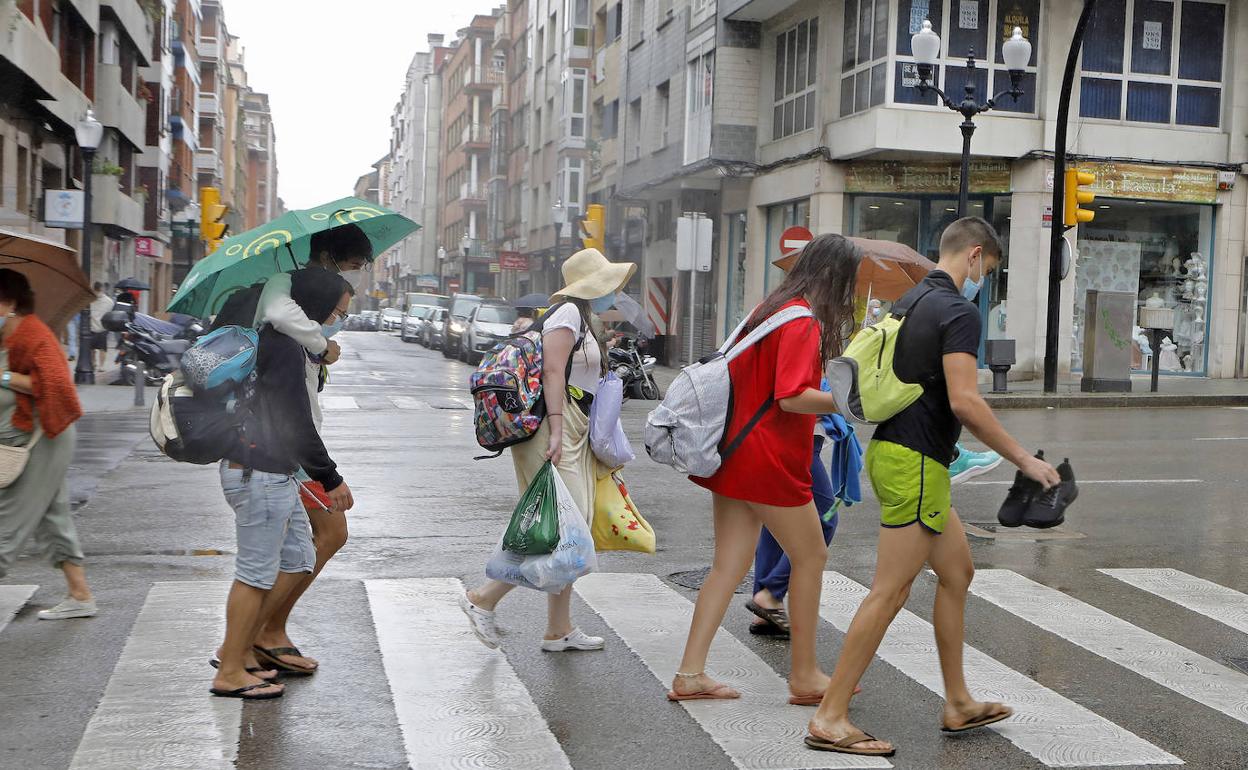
216 663
767 628
241 693
778 618
271 656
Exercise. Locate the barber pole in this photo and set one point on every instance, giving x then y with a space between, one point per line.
659 304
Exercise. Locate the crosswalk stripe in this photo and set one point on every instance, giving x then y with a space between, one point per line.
459 704
338 403
1147 654
12 599
156 710
408 402
758 731
1225 605
1051 728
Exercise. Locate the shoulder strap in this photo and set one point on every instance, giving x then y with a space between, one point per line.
913 304
777 320
732 338
539 325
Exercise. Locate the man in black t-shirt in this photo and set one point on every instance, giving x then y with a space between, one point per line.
908 463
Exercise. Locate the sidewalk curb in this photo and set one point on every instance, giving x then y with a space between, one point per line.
1114 401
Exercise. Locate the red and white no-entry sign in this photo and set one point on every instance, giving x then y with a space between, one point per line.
794 239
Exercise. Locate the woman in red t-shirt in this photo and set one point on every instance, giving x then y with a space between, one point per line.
767 480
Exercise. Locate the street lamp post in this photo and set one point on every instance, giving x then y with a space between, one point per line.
464 243
559 215
441 269
925 45
88 132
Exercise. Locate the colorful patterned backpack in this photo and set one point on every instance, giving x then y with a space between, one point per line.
507 391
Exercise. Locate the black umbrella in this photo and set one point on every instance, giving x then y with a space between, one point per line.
533 300
133 284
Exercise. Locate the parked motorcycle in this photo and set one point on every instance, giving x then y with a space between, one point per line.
633 368
157 344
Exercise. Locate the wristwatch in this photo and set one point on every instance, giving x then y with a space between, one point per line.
5 379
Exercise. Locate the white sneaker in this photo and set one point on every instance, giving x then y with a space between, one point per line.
70 608
482 622
577 640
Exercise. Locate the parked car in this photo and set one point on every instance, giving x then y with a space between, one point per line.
391 319
409 330
489 323
370 321
461 307
431 333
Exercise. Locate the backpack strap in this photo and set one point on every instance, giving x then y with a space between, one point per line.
762 330
539 326
913 304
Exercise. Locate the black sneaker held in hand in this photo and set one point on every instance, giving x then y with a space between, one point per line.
1019 498
1048 509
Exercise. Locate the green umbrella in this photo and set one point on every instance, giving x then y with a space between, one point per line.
278 247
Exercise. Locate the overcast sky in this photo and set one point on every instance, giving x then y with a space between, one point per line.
334 72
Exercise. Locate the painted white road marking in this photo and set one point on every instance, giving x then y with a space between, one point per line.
1147 654
12 599
758 731
338 403
459 703
1053 729
1085 482
410 403
1225 605
1222 438
156 710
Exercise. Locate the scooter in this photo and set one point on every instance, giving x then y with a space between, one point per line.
159 353
635 370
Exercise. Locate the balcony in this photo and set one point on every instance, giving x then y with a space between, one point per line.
476 136
209 49
483 76
38 63
111 207
472 194
116 108
209 161
209 105
134 20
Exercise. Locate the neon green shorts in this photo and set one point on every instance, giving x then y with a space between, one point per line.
910 486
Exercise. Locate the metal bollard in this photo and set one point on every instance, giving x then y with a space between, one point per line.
140 380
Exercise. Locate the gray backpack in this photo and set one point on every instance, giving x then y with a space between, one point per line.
686 430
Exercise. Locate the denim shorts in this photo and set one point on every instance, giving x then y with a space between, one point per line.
271 526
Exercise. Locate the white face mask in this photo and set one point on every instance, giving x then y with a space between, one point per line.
353 277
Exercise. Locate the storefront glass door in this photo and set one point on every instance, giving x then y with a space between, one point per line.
734 306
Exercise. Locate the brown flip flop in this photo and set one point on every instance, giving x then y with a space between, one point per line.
270 656
983 719
846 745
814 699
722 692
778 617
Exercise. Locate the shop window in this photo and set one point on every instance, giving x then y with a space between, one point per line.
1157 251
865 59
1131 48
797 59
779 218
735 308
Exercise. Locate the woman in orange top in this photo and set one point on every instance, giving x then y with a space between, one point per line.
38 408
767 481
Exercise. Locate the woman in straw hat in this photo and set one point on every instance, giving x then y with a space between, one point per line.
767 481
573 363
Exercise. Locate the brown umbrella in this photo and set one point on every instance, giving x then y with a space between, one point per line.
888 269
61 289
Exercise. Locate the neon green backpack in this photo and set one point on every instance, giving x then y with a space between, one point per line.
863 381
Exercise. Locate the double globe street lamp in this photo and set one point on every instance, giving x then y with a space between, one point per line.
925 45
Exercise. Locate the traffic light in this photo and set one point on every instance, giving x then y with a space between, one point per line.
1075 196
211 213
594 228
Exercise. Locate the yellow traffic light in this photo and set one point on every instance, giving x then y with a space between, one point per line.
1075 197
594 228
211 213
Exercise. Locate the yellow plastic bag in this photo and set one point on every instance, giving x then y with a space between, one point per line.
618 525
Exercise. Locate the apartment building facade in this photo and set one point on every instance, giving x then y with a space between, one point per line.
409 144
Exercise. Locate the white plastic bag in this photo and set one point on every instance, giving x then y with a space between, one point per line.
550 572
606 435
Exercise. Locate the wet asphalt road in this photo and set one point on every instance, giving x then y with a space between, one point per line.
397 423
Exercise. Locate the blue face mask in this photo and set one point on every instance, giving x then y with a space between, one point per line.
970 289
602 304
329 330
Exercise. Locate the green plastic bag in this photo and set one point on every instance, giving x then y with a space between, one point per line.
534 527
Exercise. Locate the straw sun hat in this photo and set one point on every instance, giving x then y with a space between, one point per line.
589 275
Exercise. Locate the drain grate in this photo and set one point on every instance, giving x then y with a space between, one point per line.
694 578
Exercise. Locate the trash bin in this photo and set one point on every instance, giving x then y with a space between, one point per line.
1109 320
